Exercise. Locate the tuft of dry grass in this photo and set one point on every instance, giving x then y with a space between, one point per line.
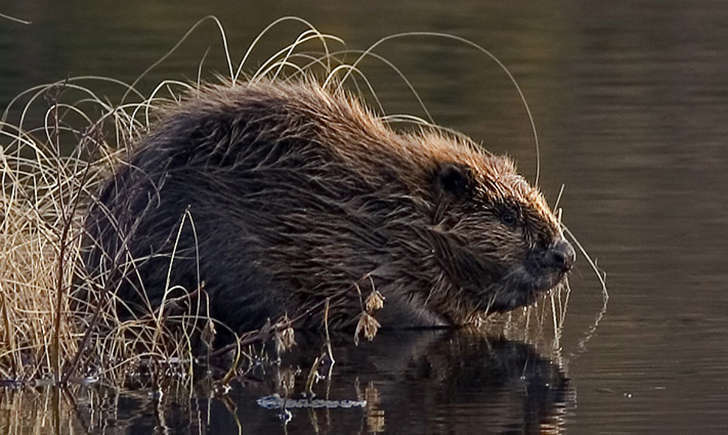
39 248
49 175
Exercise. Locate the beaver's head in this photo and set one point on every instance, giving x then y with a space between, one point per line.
449 227
494 237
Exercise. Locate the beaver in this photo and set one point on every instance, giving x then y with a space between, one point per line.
271 196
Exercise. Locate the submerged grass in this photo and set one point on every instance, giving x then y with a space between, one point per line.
50 171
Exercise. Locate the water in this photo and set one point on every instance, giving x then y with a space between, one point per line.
628 100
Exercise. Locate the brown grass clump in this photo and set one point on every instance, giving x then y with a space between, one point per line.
39 245
49 177
42 200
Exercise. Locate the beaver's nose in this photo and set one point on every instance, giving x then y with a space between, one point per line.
561 255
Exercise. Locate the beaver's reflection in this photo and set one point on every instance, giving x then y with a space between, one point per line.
419 382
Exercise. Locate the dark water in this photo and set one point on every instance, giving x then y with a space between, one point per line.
629 100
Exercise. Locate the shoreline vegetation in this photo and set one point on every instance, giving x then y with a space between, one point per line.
63 141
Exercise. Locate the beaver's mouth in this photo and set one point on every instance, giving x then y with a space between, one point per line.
490 288
519 287
542 270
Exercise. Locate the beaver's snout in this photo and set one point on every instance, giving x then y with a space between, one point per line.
560 256
556 259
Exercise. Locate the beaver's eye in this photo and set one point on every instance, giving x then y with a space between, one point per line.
509 218
454 180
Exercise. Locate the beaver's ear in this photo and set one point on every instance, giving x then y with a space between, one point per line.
454 179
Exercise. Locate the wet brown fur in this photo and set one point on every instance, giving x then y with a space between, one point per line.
298 193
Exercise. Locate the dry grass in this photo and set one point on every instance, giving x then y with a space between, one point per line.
39 247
